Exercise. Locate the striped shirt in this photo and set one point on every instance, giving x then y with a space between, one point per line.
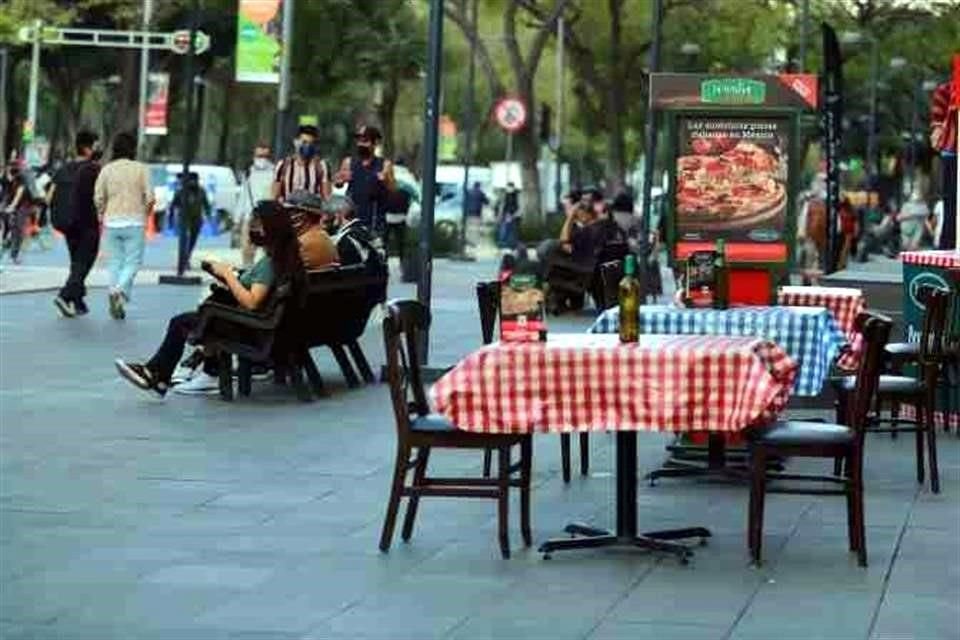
293 175
943 116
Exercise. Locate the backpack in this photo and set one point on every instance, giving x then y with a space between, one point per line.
61 208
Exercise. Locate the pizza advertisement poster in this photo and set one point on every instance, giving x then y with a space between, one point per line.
732 177
522 313
700 281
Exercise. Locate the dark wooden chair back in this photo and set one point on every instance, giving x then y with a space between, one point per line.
404 327
876 333
933 335
488 303
611 273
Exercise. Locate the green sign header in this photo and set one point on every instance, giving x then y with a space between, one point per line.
733 91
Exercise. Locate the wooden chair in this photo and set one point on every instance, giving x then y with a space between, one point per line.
919 392
421 431
794 438
488 302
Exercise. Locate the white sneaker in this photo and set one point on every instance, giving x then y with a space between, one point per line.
201 383
182 374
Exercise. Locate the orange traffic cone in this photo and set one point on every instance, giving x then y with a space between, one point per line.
151 226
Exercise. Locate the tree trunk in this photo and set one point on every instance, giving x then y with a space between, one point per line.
385 113
617 146
227 117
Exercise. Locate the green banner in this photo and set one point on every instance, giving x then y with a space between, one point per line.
259 40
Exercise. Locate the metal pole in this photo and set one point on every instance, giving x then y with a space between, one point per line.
469 126
650 146
557 186
509 146
3 105
144 76
804 12
911 150
283 92
188 126
34 77
431 120
872 133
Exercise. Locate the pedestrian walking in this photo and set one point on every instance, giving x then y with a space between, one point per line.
191 207
16 211
507 225
305 170
124 200
369 179
73 214
256 186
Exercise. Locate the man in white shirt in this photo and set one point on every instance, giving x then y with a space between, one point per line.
256 186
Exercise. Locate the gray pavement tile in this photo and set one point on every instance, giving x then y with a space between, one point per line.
924 617
408 620
284 612
934 576
212 575
555 627
619 630
827 613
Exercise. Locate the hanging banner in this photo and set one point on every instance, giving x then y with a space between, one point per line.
831 119
158 96
259 40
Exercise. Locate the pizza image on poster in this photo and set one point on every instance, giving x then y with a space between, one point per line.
731 178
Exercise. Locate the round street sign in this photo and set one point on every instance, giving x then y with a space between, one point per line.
511 114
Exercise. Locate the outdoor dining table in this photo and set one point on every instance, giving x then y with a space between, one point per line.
589 382
809 335
845 303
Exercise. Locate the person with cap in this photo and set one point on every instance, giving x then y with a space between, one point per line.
304 170
369 178
191 207
306 212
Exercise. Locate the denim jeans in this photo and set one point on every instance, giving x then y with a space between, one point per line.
125 248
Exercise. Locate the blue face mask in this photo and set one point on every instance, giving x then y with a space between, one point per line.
307 150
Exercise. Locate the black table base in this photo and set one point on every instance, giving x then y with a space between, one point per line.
713 461
626 536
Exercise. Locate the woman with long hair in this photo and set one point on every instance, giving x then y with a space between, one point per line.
123 199
271 229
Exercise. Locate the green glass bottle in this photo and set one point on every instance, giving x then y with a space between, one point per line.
721 295
629 296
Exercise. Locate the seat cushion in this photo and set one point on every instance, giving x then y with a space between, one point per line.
433 422
888 385
790 433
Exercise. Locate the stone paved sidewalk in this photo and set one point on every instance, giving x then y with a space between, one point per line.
123 518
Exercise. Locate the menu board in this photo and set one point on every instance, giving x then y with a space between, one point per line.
700 281
522 313
732 178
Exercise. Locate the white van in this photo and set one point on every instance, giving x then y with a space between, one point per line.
219 182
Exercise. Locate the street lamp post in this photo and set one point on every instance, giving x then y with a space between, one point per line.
855 37
144 76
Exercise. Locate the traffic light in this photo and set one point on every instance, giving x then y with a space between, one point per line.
546 114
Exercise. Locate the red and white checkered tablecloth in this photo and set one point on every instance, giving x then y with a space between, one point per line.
577 382
948 259
845 303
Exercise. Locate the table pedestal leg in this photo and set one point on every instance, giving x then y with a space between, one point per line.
587 537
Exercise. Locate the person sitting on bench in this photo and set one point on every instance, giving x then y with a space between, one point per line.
306 211
273 231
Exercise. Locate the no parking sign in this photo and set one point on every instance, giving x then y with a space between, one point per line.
510 113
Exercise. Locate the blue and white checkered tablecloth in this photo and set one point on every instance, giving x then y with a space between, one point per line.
809 335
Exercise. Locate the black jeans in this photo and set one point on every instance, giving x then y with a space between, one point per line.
189 232
948 236
83 245
165 360
395 236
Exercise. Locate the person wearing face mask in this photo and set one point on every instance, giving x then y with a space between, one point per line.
369 179
304 170
257 185
73 214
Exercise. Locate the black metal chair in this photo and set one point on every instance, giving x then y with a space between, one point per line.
794 438
488 302
421 431
919 392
